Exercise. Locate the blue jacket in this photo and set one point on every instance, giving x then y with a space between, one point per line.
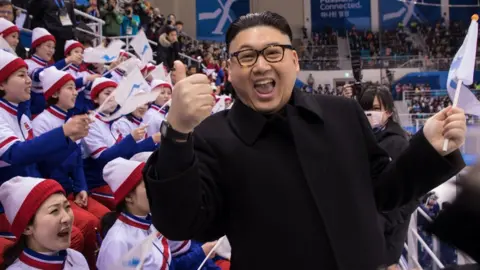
193 258
69 173
133 22
126 148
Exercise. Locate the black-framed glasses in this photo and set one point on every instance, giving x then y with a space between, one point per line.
273 54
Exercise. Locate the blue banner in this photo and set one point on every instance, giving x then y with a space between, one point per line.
214 17
394 12
340 14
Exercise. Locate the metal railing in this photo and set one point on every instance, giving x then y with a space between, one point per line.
412 94
334 63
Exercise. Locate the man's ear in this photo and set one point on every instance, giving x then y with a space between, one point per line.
56 94
295 60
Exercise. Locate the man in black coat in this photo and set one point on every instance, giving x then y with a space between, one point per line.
58 17
294 180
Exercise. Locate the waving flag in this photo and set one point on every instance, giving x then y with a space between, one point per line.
101 54
159 73
129 65
135 257
142 48
132 91
130 85
460 75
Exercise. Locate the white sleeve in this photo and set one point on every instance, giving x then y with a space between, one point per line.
40 125
110 253
121 129
179 247
154 122
7 137
94 144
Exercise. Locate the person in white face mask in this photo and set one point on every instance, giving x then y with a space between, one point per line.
381 113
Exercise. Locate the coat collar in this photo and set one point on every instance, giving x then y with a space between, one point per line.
134 221
57 112
9 107
248 124
42 261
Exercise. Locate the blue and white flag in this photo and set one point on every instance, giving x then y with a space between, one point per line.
132 91
462 69
142 48
101 54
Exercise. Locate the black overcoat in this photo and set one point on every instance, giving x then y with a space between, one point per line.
298 190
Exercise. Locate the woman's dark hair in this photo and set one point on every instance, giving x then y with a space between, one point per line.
12 252
109 218
52 101
384 97
250 20
169 29
31 52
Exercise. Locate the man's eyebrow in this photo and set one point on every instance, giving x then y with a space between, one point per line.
249 46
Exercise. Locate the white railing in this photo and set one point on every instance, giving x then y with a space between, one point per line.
414 238
410 94
96 25
190 59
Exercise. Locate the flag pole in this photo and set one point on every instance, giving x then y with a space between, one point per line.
455 102
211 252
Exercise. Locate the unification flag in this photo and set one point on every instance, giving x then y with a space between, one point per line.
101 54
142 48
462 69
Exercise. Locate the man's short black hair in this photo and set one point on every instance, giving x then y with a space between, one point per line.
250 20
127 5
179 23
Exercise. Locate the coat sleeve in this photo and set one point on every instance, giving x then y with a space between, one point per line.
417 170
79 181
15 152
96 147
192 260
199 208
146 145
121 129
110 253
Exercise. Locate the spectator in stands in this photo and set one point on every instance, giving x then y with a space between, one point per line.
113 19
130 23
143 10
7 12
156 24
168 47
42 221
60 92
130 223
58 17
347 91
199 174
380 110
92 9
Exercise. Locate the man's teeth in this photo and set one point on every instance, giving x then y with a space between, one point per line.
263 82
